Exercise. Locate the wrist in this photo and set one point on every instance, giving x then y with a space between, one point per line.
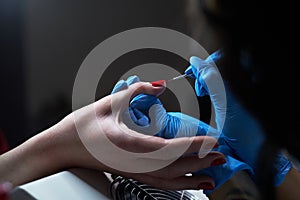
68 149
37 157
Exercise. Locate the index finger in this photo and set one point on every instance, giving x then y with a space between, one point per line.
167 149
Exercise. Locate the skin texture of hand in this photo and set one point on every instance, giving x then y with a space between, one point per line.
66 145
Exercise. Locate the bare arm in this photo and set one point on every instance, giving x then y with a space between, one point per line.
61 147
39 156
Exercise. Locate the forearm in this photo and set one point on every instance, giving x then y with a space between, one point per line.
39 156
289 189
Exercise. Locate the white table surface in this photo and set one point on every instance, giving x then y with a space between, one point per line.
75 184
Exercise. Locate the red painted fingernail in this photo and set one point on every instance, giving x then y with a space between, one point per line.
4 190
216 145
206 186
159 83
218 161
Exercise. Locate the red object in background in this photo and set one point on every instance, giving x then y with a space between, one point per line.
3 143
4 190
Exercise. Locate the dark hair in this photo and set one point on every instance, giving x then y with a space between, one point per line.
259 41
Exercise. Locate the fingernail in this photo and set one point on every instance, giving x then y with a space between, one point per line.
216 145
218 161
206 186
159 83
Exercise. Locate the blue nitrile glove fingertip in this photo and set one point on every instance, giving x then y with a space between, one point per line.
215 56
195 65
132 79
140 118
189 71
120 85
132 115
143 102
195 61
283 166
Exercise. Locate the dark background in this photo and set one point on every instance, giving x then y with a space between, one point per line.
43 43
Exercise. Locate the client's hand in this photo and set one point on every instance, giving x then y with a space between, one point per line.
148 109
95 137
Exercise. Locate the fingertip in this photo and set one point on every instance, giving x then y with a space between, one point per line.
194 59
159 83
196 62
121 82
146 88
159 89
132 79
120 85
188 70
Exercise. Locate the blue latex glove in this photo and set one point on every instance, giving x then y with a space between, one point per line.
239 124
177 124
146 109
137 116
222 173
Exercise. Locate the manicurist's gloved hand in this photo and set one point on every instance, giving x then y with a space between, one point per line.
145 108
246 134
176 124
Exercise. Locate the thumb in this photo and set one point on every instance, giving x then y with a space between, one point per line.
146 88
157 113
120 101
